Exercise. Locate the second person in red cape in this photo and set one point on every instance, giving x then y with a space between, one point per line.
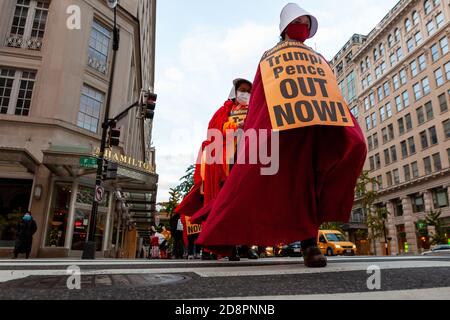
318 167
210 177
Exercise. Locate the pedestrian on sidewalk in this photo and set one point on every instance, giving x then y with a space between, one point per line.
318 160
26 228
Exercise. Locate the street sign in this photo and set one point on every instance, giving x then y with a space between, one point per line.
99 192
88 162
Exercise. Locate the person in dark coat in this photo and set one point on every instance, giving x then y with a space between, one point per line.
24 237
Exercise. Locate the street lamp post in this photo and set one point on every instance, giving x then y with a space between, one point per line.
90 245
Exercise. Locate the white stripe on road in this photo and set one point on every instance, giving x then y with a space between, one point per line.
416 294
233 271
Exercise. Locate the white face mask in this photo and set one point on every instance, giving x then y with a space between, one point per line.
243 98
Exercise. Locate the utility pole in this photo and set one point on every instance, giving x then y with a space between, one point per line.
90 245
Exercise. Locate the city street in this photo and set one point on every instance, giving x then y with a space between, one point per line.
408 277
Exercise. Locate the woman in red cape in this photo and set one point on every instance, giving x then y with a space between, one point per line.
209 178
318 170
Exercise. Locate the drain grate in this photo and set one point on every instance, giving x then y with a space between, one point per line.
96 281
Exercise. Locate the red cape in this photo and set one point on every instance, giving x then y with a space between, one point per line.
318 171
215 174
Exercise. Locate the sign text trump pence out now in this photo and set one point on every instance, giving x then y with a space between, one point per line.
301 89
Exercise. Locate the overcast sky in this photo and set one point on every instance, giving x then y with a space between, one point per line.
202 45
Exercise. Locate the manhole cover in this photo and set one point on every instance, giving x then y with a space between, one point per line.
98 281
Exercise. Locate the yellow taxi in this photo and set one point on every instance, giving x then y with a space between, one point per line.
333 242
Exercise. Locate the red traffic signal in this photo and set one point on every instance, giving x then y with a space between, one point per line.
149 105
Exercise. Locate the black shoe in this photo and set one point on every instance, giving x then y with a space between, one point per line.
314 258
234 258
252 254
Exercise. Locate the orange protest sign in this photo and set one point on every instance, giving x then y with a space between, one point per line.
192 228
301 89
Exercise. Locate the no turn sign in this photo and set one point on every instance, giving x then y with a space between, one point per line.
99 192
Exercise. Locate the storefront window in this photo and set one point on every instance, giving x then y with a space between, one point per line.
59 214
85 197
14 201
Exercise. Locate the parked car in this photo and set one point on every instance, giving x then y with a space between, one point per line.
442 249
291 250
333 242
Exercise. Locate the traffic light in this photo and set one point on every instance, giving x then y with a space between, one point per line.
114 137
149 105
109 171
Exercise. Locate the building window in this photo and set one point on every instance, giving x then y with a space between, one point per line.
90 109
390 41
388 110
397 35
387 157
369 79
28 24
418 203
410 45
426 86
375 140
368 63
381 50
396 82
427 165
372 164
398 103
370 143
385 135
396 176
408 25
368 123
354 111
416 18
439 77
415 169
372 99
393 59
427 6
375 54
382 114
99 44
405 96
393 154
440 20
433 136
377 72
377 161
437 162
413 66
429 110
420 115
443 102
408 121
404 148
417 91
440 198
383 67
412 145
374 119
398 207
435 52
424 139
403 76
418 38
380 93
366 104
387 90
422 62
430 28
351 86
446 126
16 91
391 132
407 173
401 126
389 179
444 45
447 70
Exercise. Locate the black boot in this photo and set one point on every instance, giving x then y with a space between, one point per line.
252 254
312 256
234 255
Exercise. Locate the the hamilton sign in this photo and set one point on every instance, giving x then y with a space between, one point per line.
125 160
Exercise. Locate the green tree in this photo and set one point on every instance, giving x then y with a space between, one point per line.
433 218
174 201
332 226
187 181
376 215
